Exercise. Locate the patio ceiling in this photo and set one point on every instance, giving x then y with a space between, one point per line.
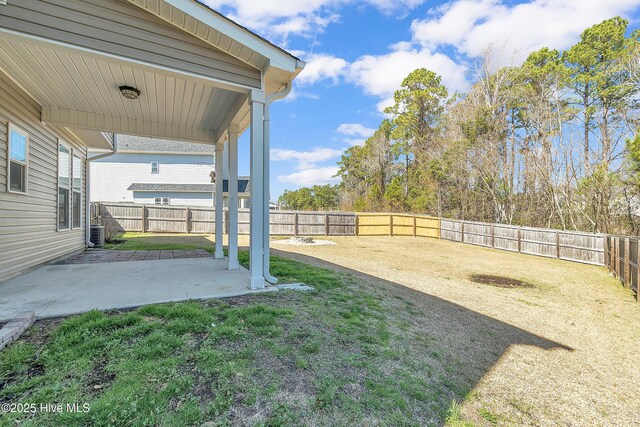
81 89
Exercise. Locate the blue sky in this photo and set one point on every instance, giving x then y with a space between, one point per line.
358 53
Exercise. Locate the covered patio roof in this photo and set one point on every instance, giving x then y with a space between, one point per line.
198 76
194 68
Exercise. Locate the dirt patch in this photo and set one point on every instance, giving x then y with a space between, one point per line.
99 378
499 281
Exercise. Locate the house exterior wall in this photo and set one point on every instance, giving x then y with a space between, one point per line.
175 198
111 176
111 26
28 222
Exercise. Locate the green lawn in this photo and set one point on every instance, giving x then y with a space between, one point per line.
154 241
346 353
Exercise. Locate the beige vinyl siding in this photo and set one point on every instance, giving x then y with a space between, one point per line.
28 235
115 26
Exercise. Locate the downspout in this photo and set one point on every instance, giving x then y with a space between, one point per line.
267 171
87 220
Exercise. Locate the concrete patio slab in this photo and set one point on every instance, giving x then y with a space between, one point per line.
60 290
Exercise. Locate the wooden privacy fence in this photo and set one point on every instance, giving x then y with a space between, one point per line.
390 224
622 257
192 219
568 245
304 223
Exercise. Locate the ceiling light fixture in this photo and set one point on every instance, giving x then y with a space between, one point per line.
129 92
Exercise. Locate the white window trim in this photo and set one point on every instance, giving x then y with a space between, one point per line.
157 167
155 200
73 190
70 188
15 128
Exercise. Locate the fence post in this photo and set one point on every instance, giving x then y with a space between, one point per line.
144 218
493 236
414 226
617 268
295 224
638 270
390 224
357 225
558 244
187 217
519 240
326 223
462 231
627 276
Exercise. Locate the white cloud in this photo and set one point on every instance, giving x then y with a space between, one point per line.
316 155
322 67
308 172
355 129
300 17
471 25
382 75
312 176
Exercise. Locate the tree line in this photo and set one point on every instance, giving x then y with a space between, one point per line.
553 142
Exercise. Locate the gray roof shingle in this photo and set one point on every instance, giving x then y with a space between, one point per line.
128 143
243 187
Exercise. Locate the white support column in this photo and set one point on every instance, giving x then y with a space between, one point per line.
257 101
225 160
219 253
234 130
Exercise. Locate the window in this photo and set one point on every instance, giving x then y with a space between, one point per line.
161 200
64 186
18 156
76 209
155 168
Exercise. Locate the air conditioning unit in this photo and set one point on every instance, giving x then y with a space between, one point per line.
97 235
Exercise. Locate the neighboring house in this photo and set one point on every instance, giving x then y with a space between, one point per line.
73 73
162 172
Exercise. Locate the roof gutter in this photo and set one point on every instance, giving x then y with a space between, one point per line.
265 182
88 187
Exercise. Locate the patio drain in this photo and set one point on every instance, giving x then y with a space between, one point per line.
499 281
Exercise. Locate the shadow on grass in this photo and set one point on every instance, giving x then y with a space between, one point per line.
468 344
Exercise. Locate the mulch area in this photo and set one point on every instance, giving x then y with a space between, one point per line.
106 255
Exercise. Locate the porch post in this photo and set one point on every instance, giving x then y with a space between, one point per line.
219 253
232 149
257 101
